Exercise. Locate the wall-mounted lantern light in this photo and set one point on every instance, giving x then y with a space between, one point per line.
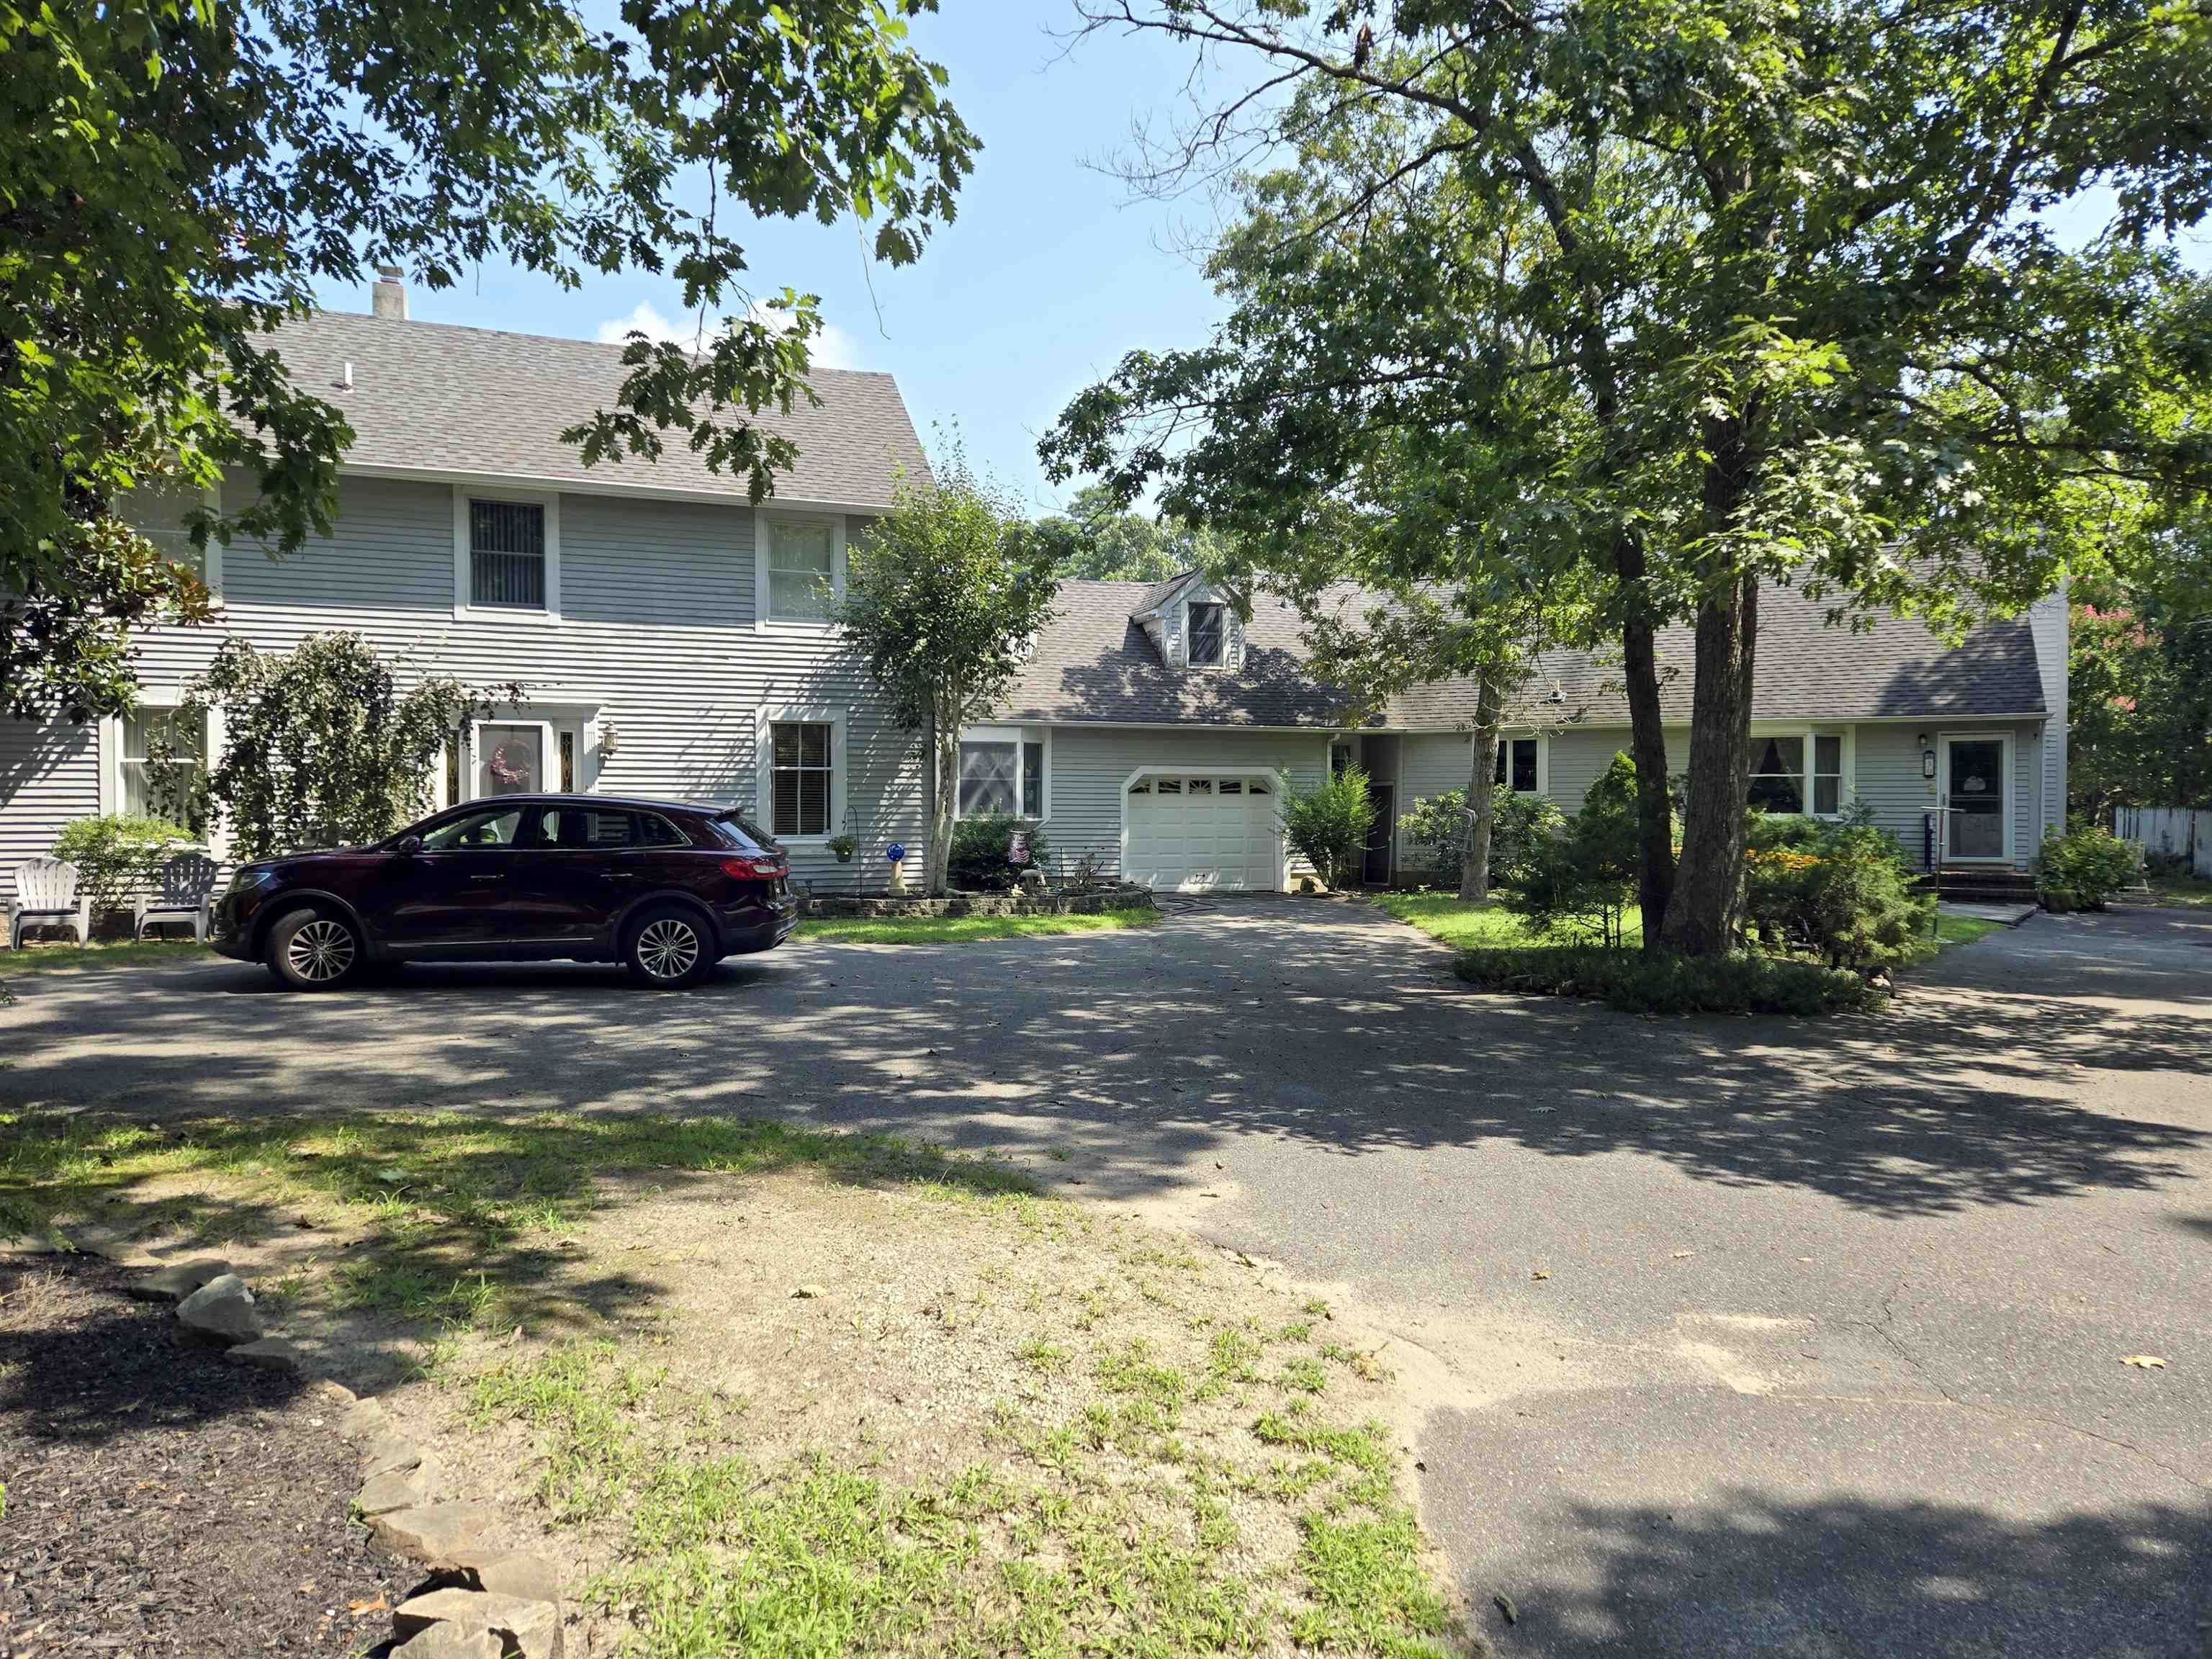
1926 756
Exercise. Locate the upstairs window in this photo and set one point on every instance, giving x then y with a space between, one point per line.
802 568
802 761
507 555
1206 636
1516 765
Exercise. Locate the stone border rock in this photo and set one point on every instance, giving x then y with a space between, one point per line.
484 1601
1127 895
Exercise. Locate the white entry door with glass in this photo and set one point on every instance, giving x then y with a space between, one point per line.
1976 799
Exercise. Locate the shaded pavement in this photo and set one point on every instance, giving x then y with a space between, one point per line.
1749 1336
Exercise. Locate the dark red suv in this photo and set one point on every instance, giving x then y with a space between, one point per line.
668 888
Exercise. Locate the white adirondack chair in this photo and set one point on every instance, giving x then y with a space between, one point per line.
47 894
183 891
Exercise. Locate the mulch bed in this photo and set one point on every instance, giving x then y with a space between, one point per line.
159 1501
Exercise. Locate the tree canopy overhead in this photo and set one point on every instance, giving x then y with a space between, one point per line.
177 176
1693 295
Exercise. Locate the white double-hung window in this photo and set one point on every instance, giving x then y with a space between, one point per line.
159 753
802 565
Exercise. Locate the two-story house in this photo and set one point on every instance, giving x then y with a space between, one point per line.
671 640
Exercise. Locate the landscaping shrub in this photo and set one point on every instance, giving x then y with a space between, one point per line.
117 856
978 863
1639 981
1328 826
2082 868
1520 828
1843 891
1580 880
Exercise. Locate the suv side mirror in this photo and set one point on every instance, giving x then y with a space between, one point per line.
407 846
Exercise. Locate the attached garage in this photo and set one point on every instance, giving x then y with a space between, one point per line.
1202 832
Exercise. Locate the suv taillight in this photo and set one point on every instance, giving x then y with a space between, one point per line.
753 869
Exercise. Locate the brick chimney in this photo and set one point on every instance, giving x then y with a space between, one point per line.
389 297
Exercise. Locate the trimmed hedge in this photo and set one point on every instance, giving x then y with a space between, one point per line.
1640 982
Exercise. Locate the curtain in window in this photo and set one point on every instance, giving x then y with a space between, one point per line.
987 779
798 781
1828 775
801 560
187 740
1778 774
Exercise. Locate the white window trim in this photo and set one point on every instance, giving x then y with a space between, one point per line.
111 755
765 768
1943 742
1017 735
764 523
1275 774
1846 782
462 611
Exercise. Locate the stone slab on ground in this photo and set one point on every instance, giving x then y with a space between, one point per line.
221 1311
2005 916
514 1573
270 1353
388 1452
408 1489
451 1641
178 1280
437 1534
531 1629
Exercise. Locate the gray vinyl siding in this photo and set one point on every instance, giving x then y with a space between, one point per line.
1090 765
1580 756
49 775
2048 623
656 629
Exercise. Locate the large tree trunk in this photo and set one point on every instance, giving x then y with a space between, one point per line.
1701 916
1481 790
944 742
1647 742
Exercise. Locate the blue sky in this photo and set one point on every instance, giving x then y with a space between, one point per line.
1051 272
1048 274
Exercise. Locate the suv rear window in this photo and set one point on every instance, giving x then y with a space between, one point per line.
602 827
741 832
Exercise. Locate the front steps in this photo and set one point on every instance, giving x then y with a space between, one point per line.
1969 883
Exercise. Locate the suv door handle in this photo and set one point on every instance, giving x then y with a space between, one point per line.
494 875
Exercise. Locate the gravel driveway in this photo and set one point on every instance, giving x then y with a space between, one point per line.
1750 1337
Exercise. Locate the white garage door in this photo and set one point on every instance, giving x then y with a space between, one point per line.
1202 832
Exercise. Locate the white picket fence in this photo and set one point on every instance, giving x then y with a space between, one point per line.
2168 832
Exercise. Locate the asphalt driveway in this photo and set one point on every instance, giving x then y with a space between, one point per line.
1735 1337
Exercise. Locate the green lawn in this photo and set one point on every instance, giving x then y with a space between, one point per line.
2184 892
1476 927
106 953
957 930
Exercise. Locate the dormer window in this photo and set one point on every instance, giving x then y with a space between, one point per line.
1206 636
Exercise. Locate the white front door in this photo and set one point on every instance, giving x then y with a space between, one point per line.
1200 832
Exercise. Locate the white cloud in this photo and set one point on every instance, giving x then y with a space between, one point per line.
648 322
833 347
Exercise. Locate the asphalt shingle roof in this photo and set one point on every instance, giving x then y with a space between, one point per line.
433 397
1091 663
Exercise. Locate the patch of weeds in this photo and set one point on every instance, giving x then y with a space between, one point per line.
582 1399
1368 1592
1134 1369
1300 1428
404 1287
1304 1374
1050 1358
1316 1308
1233 1354
1358 1361
1298 1330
